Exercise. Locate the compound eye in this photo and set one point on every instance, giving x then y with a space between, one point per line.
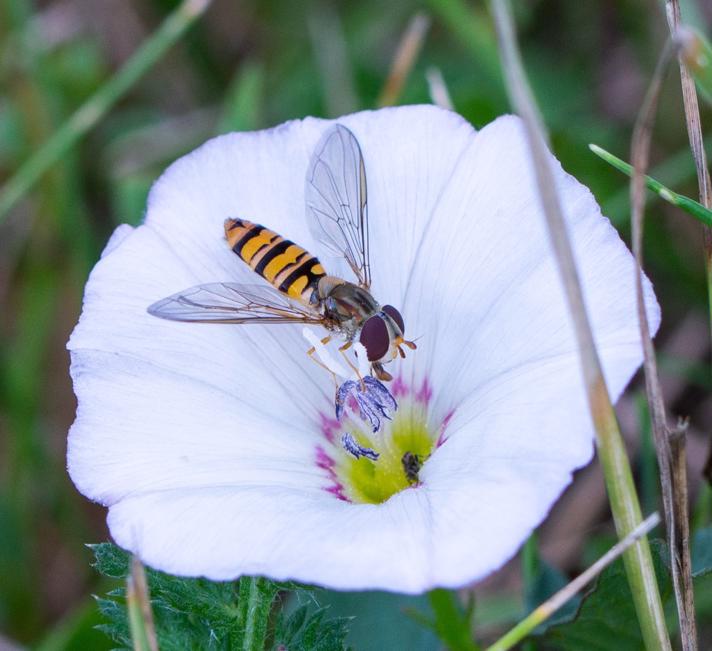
396 316
375 338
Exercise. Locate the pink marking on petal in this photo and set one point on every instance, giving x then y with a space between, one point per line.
443 427
338 492
399 388
323 460
329 427
326 463
425 393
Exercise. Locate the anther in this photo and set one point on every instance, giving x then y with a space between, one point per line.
352 447
373 400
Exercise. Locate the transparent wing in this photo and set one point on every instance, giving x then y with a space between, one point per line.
232 303
337 209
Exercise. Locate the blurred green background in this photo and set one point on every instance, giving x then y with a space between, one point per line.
249 65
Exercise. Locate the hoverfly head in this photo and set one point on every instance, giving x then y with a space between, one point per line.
382 336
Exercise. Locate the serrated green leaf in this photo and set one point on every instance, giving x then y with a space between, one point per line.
110 560
200 614
302 631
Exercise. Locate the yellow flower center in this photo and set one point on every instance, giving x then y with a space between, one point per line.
403 445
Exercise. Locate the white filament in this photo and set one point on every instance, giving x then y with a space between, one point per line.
325 356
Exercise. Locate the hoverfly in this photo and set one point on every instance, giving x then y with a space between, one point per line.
299 289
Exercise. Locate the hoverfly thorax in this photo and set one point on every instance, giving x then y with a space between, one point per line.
345 301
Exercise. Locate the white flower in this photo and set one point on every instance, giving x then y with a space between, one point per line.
215 446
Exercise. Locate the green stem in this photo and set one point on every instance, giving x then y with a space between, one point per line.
255 608
611 450
690 206
100 102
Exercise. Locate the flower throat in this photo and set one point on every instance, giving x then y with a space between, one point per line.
368 467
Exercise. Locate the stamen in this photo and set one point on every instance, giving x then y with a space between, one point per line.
352 447
324 355
362 358
364 467
373 399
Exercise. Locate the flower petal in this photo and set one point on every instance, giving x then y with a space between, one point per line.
445 534
136 375
487 297
201 439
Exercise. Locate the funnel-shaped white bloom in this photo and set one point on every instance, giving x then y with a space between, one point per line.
214 446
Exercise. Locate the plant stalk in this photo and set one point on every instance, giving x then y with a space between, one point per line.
255 609
551 605
614 460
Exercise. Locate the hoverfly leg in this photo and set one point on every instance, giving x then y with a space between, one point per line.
380 372
352 366
311 352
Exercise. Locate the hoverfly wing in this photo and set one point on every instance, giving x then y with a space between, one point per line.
232 303
336 199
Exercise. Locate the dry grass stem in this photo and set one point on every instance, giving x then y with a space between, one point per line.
542 612
694 132
406 55
437 88
619 481
675 505
138 601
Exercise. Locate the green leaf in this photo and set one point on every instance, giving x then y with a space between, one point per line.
380 619
304 631
110 560
200 614
702 552
606 618
547 581
453 623
690 206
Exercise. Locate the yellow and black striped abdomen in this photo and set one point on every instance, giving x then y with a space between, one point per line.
281 262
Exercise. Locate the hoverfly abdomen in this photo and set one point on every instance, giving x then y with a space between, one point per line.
282 263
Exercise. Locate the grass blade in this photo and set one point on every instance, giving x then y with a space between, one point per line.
690 206
100 102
